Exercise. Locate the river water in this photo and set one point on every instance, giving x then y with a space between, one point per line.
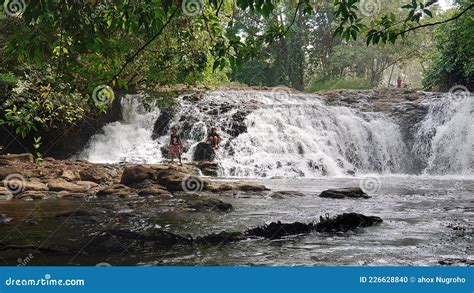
422 188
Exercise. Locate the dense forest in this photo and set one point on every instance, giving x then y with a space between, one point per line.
64 61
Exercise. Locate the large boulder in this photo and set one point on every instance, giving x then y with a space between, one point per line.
162 124
354 192
204 152
95 174
135 175
174 180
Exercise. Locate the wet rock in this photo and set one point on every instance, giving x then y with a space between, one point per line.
204 152
26 172
285 194
244 186
340 223
154 190
174 180
203 204
278 230
63 185
162 124
116 190
345 222
136 174
87 184
344 193
34 186
95 174
208 168
13 159
70 175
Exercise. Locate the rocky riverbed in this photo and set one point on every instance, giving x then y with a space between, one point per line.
104 209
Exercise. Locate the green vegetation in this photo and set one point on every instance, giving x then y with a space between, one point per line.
55 53
356 84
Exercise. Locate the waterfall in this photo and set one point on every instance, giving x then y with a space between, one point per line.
268 134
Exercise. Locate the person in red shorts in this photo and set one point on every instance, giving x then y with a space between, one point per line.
175 147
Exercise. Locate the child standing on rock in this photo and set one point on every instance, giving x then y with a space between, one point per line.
175 147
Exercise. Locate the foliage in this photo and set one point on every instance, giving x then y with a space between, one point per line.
452 62
354 83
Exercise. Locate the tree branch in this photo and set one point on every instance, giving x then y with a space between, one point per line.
137 52
433 23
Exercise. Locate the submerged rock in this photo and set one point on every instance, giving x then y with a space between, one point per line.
208 168
4 218
344 192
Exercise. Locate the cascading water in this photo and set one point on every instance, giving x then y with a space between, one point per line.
268 134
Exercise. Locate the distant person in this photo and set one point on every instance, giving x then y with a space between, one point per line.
175 147
214 139
399 82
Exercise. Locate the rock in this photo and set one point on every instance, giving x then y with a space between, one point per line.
208 168
204 152
63 185
70 175
95 174
154 190
244 186
340 223
162 124
117 190
137 174
278 230
34 186
204 204
345 222
13 159
18 170
87 184
174 180
285 194
343 193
